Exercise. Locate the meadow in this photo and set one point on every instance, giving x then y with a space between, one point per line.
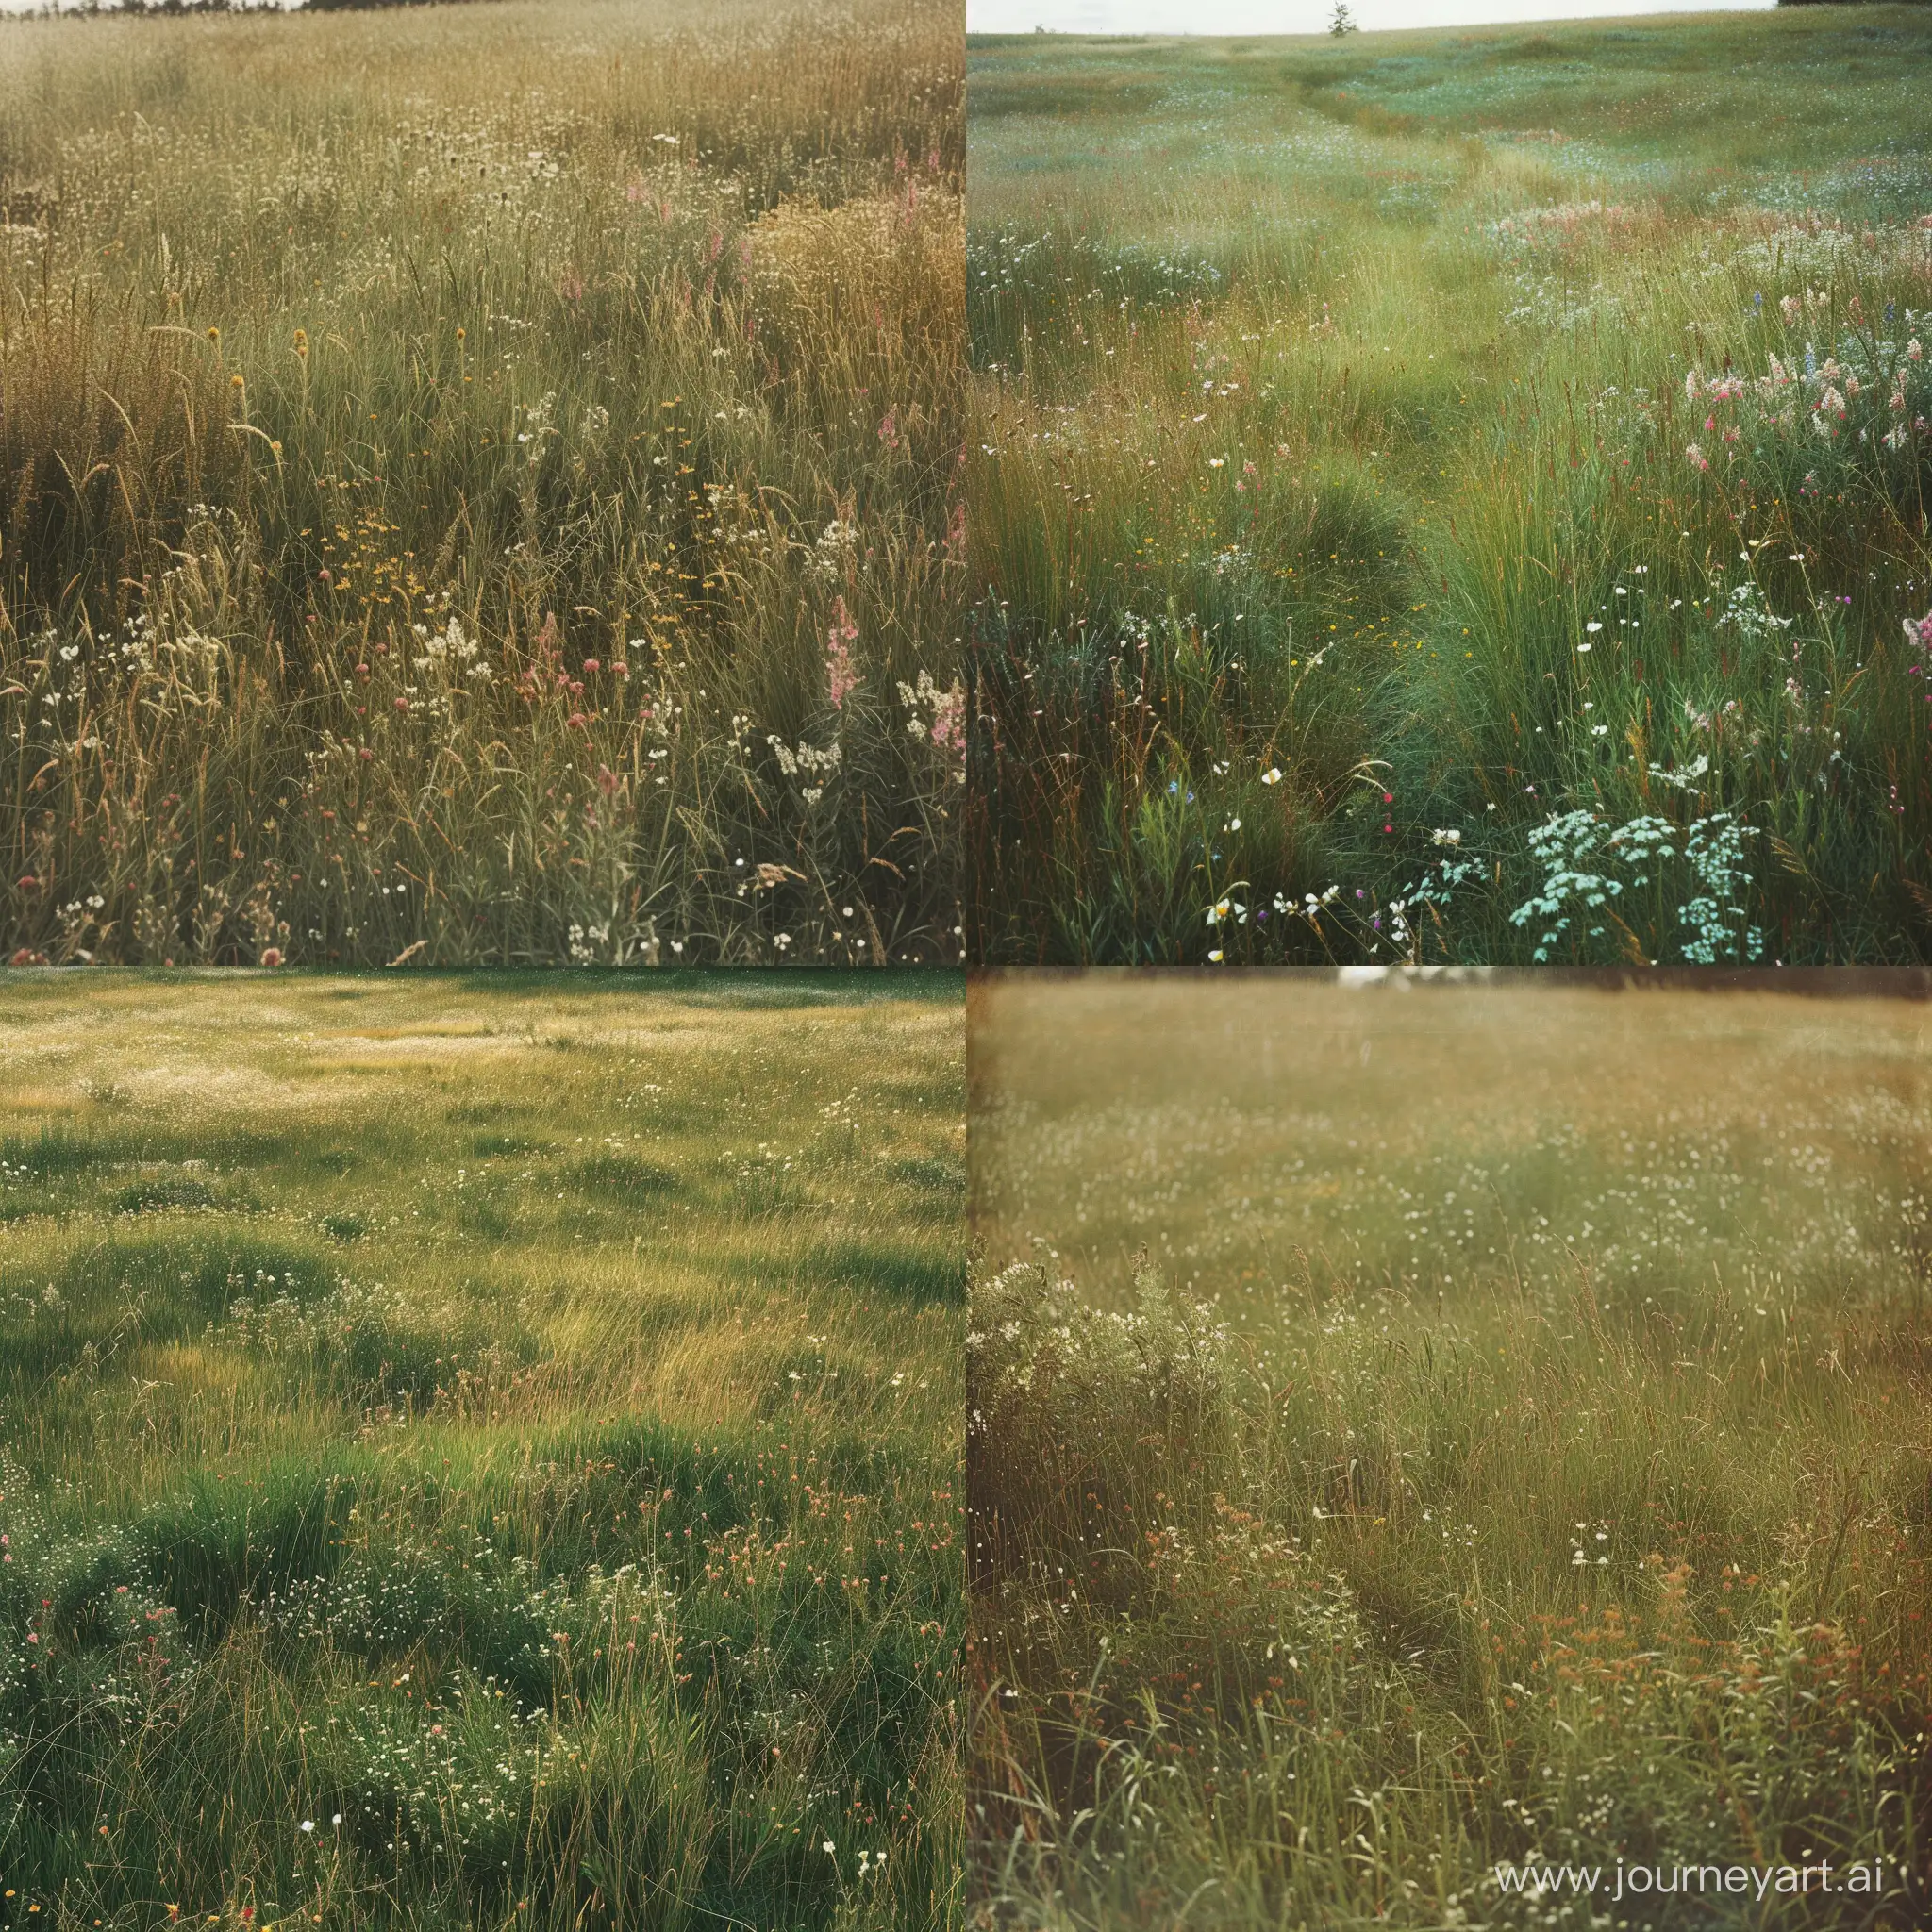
480 483
1453 496
479 1457
1418 1429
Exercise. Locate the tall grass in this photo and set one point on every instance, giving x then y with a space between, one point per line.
479 1458
483 480
1410 1436
1316 428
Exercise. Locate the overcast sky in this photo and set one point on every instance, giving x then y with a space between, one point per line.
1298 16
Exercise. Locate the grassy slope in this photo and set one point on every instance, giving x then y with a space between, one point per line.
1284 1581
518 1422
448 447
1372 270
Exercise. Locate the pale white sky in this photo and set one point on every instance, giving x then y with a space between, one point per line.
1300 16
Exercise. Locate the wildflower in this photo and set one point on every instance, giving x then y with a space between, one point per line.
308 1825
272 956
1696 457
1448 836
840 677
949 718
1791 308
1272 776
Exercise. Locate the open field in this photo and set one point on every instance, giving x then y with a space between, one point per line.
482 479
1511 1447
480 1455
1454 494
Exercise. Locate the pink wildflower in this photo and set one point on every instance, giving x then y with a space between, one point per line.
840 675
949 720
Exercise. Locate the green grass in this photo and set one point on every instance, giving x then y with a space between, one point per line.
484 479
1414 1434
1324 392
511 1426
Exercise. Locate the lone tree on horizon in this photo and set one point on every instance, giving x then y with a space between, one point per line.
1342 21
